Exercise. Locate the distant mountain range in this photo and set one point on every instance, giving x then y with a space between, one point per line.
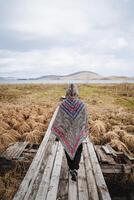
82 75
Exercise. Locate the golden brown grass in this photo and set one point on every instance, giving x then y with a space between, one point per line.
129 141
28 108
97 131
118 145
111 135
25 111
33 136
20 123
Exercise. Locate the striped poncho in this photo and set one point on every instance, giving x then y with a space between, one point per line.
70 125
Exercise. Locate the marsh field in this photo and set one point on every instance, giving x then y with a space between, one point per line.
26 109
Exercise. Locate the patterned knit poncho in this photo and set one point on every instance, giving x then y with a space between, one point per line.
70 125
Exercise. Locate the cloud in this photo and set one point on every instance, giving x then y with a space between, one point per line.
60 61
59 36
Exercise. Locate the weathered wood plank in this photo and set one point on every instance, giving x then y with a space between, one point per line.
72 190
82 182
104 158
15 150
129 156
32 173
20 150
113 152
44 185
10 150
116 169
38 177
92 188
30 151
53 187
62 193
105 148
101 185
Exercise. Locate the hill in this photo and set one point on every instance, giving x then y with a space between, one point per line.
83 75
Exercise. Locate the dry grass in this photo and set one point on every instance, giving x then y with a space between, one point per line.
33 136
118 123
129 141
111 135
118 145
25 111
20 123
97 131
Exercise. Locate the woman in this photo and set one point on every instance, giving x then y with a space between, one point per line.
71 128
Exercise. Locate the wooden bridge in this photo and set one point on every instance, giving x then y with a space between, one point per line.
48 176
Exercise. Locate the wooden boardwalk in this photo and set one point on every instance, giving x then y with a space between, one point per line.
48 176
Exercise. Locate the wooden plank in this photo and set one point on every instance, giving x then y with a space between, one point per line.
44 185
92 188
20 149
10 150
82 182
36 176
101 185
72 190
26 155
15 150
128 156
100 154
117 169
113 152
106 149
31 175
34 185
62 193
104 158
53 187
30 151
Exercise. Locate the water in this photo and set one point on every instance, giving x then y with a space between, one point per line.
64 81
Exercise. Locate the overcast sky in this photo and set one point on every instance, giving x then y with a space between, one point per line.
39 37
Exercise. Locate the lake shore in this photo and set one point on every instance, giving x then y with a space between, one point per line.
24 81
